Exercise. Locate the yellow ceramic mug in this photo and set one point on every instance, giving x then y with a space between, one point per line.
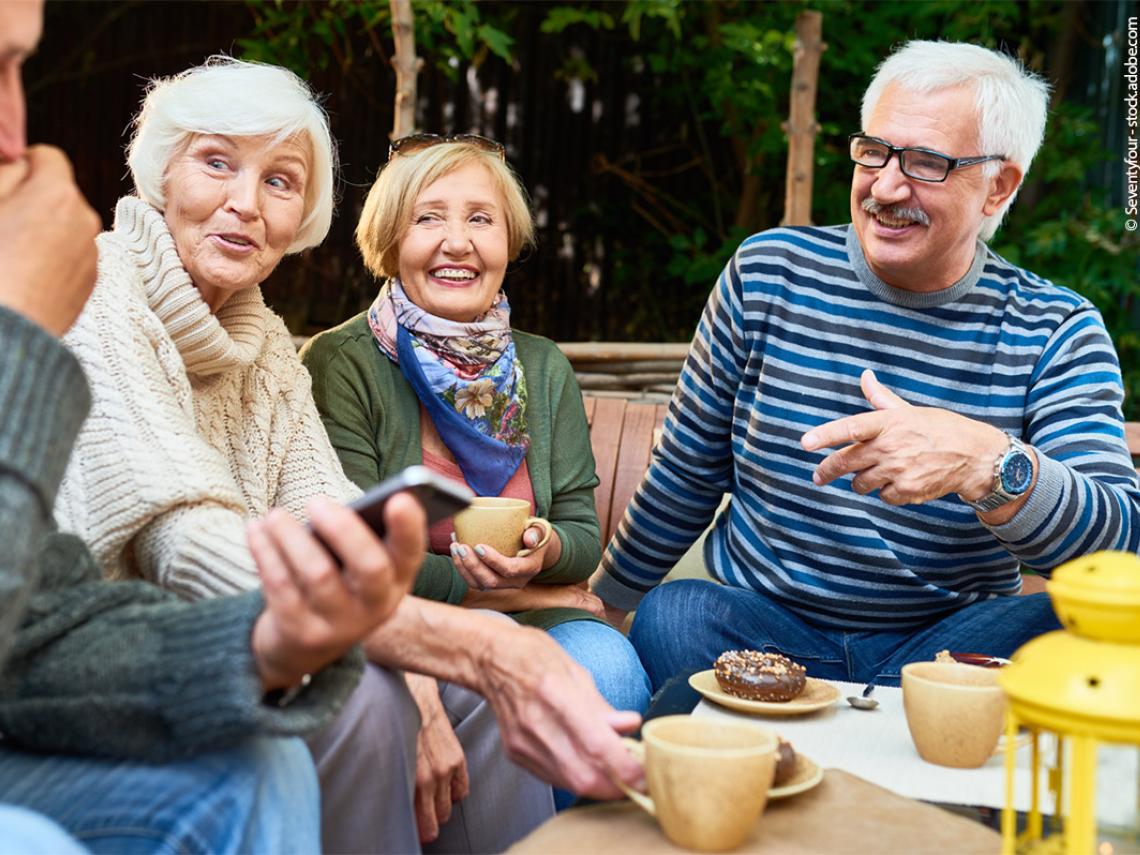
708 780
499 523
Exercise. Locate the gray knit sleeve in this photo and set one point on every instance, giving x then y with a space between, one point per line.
126 669
43 400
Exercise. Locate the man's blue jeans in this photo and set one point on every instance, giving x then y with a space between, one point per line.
685 625
258 797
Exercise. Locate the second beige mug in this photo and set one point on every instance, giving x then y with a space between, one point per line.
955 712
708 780
499 523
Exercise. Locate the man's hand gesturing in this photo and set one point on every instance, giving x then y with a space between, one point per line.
47 240
909 454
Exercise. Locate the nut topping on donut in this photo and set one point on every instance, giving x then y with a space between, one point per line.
758 676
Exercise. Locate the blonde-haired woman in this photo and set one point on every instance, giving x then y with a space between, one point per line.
433 373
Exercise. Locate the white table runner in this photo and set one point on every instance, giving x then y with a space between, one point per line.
877 747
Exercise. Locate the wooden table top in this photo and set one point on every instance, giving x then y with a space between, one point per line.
843 814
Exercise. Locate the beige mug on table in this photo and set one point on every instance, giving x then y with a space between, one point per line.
708 780
955 712
499 523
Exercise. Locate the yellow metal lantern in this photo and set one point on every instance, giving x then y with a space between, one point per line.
1082 686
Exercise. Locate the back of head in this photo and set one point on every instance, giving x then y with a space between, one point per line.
1012 103
388 208
230 97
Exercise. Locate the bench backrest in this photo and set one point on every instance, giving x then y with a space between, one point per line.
621 435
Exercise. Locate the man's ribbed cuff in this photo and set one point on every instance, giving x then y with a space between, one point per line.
613 592
213 693
1041 504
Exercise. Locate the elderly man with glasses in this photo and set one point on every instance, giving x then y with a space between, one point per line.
901 417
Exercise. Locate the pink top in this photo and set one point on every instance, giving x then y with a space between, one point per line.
519 487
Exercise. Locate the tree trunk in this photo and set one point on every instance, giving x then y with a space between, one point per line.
407 66
801 127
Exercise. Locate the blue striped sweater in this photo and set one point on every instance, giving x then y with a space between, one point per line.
794 319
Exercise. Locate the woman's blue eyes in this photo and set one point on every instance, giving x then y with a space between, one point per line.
277 181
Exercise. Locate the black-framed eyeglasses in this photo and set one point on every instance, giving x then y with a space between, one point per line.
413 143
922 164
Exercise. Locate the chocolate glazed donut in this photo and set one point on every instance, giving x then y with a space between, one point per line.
759 676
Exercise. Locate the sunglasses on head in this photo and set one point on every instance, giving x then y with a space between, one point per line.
413 143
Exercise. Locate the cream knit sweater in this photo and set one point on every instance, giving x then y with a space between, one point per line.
198 421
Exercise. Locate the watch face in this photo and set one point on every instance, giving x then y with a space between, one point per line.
1016 472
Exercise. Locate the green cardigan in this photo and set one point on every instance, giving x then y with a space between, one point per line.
372 416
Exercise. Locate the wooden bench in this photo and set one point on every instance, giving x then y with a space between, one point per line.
622 435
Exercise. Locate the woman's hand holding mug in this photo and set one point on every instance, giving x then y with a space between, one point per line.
485 568
499 545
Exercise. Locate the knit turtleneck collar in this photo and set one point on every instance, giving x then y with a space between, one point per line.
209 343
912 299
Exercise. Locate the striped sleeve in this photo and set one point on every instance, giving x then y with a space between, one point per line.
1087 496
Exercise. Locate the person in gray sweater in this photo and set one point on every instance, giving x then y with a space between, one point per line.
131 718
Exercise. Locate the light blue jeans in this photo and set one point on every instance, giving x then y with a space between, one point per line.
614 665
258 797
610 659
31 834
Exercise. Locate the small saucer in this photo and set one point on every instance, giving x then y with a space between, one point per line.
816 695
806 776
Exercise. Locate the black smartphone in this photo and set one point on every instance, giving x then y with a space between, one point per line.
441 497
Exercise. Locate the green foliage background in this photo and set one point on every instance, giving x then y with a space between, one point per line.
720 71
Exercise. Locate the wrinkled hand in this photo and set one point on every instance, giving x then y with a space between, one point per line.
552 719
909 454
441 768
314 610
536 596
47 240
486 569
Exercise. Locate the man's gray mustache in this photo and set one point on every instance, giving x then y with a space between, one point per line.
898 212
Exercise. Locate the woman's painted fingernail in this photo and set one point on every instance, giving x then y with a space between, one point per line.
462 551
480 551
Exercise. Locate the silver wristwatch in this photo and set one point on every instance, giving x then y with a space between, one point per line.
1013 473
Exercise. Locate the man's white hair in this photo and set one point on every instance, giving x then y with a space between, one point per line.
234 98
1012 103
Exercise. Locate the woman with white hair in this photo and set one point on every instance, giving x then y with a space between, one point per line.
202 414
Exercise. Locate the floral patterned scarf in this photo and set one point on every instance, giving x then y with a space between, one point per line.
467 377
